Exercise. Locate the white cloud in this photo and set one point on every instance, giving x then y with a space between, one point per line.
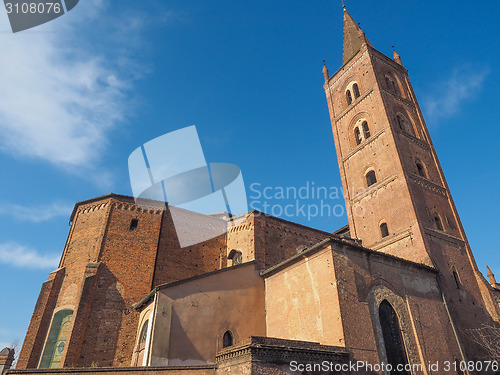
58 102
24 257
450 94
36 214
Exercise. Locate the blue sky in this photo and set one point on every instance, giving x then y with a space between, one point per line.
79 94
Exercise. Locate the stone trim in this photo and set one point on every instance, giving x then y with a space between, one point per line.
353 104
373 188
363 144
419 142
281 350
424 182
378 294
123 370
392 239
458 242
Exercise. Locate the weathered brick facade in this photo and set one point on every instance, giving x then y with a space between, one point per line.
128 294
378 127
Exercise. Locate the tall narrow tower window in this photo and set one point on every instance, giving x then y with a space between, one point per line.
400 122
421 170
348 97
439 224
366 130
395 88
227 339
457 279
384 230
371 178
357 135
393 338
355 89
388 82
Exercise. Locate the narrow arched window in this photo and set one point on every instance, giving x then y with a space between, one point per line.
348 97
395 88
388 82
439 224
56 341
144 333
227 339
355 89
384 230
400 122
141 345
457 279
421 170
393 338
357 135
371 178
366 130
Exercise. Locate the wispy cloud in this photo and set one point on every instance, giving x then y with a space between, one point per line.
59 96
448 96
24 257
35 214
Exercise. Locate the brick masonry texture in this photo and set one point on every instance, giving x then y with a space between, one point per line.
313 293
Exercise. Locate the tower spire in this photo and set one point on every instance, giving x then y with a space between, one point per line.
491 276
325 72
397 58
354 37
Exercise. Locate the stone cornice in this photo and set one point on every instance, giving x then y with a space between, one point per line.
389 240
372 189
363 144
422 144
444 236
353 104
282 350
424 182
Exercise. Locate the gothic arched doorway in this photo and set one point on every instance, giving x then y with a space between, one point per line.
393 339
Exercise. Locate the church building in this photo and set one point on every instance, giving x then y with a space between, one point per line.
395 290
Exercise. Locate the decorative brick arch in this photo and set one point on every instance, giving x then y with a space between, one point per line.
378 294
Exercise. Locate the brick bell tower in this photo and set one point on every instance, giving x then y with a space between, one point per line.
397 198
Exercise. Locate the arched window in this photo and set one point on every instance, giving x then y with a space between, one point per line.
227 339
384 230
395 88
56 341
348 97
404 124
457 279
400 121
144 333
141 345
421 170
236 257
388 82
371 178
355 89
393 338
366 130
439 224
357 135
